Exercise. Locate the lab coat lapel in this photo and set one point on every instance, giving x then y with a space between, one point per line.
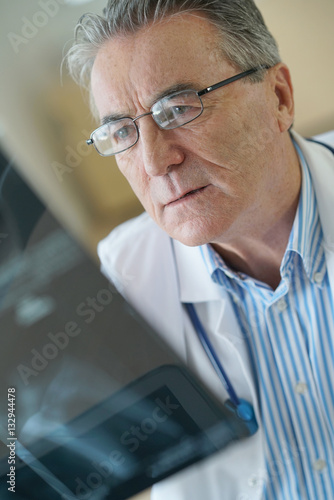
197 287
216 310
214 306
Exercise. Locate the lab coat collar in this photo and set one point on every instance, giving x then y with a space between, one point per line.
195 283
321 164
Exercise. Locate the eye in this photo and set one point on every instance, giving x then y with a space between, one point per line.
122 133
180 110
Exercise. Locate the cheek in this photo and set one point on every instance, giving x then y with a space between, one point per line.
257 132
135 175
244 140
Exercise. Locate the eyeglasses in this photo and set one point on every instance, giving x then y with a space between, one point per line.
172 111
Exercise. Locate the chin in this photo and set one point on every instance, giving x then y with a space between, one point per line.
196 231
192 238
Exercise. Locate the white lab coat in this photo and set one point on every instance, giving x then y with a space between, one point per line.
156 275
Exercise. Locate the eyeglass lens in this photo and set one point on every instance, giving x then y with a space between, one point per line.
177 110
115 136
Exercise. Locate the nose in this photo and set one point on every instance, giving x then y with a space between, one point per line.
158 148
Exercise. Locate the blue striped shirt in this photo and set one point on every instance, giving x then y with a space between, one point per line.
290 335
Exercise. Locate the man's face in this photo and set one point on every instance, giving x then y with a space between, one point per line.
205 181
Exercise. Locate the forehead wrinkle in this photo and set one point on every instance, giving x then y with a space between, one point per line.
115 103
145 55
143 82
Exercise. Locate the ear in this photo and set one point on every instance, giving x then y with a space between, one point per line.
282 86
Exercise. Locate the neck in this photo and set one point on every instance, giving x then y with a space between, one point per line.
257 246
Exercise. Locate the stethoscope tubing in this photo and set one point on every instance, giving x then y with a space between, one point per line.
211 353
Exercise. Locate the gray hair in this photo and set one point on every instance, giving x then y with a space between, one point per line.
246 41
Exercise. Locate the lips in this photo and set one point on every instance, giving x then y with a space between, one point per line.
187 193
191 192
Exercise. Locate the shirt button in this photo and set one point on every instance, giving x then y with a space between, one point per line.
282 305
319 465
318 277
301 388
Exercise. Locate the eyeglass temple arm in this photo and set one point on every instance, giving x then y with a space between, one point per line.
232 79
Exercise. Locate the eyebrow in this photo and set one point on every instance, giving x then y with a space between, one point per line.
112 117
178 87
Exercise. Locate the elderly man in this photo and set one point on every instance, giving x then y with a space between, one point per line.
197 107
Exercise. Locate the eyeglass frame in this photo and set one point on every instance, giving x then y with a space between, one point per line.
199 94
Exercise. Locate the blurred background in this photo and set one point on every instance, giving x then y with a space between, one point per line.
45 119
